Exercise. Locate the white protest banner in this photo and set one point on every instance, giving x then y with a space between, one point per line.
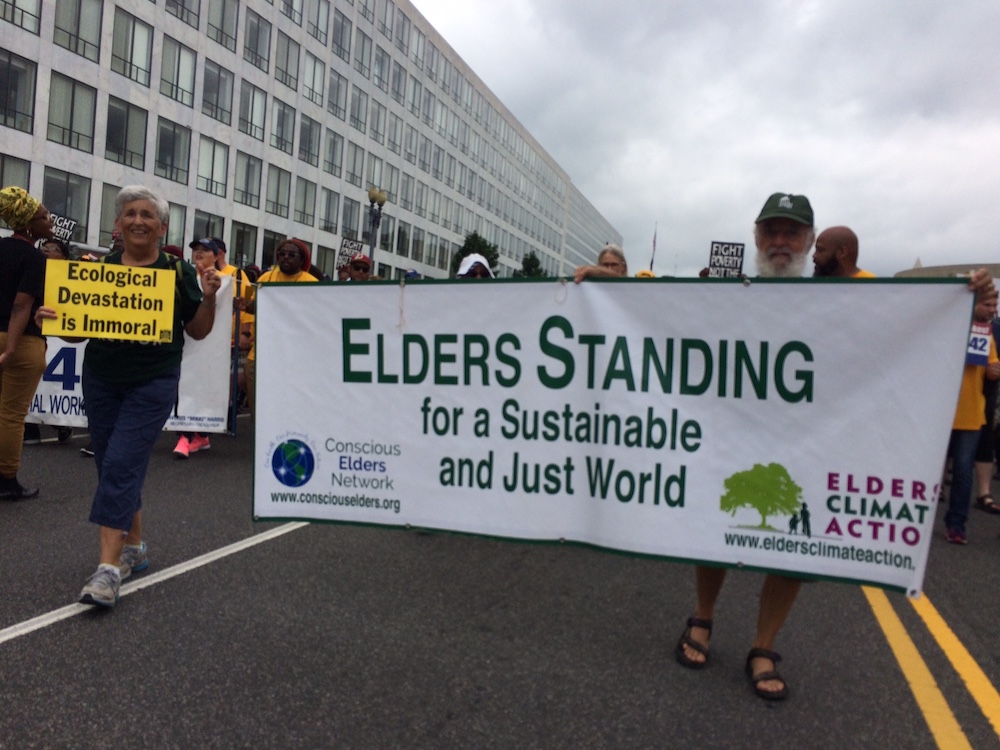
726 260
781 426
203 401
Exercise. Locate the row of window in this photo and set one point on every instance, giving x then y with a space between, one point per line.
72 116
78 28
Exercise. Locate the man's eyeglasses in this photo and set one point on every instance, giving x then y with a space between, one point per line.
477 272
287 254
359 267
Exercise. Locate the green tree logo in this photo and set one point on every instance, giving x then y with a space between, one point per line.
767 489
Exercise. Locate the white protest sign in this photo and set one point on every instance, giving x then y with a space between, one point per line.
775 426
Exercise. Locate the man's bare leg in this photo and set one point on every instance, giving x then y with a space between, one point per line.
708 584
776 599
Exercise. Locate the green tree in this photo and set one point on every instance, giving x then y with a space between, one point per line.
767 489
475 243
531 267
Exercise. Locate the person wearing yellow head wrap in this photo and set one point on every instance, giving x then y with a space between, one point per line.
17 208
22 348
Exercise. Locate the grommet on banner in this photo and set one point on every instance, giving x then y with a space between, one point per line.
564 282
746 279
402 312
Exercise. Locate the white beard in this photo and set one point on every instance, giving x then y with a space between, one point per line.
768 269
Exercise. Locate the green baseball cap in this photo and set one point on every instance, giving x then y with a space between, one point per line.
787 206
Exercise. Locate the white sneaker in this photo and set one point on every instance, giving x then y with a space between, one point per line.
102 587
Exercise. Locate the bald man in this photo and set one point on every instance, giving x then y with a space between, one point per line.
836 255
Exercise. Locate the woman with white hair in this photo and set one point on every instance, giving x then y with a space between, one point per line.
130 388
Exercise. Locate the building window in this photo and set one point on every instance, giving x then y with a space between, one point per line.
126 137
243 244
271 242
325 260
208 225
24 13
398 82
223 20
14 171
367 8
349 219
292 9
66 194
410 145
173 151
279 185
420 200
385 18
378 122
355 163
217 93
17 92
417 47
248 173
382 68
177 73
257 42
417 247
391 184
132 47
78 27
374 171
71 113
310 133
213 166
318 19
406 193
305 201
359 109
395 133
282 126
177 225
427 107
402 32
414 93
286 61
333 160
424 156
253 102
108 195
387 228
329 207
363 53
186 10
336 100
341 36
312 84
403 240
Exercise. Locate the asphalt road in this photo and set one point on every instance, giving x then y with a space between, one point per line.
355 637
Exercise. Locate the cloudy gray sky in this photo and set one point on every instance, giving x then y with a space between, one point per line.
689 114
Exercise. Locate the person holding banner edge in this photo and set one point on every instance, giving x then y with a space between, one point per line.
784 232
611 264
130 388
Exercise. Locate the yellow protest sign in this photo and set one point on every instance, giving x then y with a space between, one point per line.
106 301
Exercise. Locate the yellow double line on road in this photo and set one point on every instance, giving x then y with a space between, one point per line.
940 719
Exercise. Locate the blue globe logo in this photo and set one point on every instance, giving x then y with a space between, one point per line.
293 463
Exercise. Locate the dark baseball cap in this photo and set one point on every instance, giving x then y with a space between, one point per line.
205 242
787 206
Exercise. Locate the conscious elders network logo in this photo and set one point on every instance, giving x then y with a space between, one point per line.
293 463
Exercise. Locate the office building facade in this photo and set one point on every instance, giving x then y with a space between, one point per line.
261 120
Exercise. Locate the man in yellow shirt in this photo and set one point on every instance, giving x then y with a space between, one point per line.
836 255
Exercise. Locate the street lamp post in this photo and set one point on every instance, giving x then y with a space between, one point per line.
376 200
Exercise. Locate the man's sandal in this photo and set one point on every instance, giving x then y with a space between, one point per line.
687 640
756 679
986 503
